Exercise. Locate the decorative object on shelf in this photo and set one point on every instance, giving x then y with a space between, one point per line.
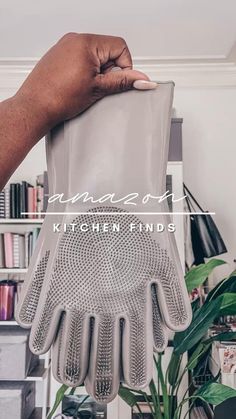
206 239
128 279
17 399
7 298
17 361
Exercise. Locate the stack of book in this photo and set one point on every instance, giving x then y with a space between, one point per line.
16 249
16 199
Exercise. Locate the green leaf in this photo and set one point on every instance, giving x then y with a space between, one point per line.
158 364
198 275
197 354
195 304
127 395
203 319
226 285
174 366
59 397
155 399
81 404
228 305
225 336
179 336
130 398
215 393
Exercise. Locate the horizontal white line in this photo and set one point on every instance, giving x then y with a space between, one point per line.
118 213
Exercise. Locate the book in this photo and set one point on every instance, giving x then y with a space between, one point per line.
35 234
24 199
16 251
40 180
31 201
12 200
30 245
40 198
8 250
35 199
2 253
7 201
27 248
17 200
21 251
2 204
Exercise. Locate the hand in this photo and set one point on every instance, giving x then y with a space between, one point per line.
77 71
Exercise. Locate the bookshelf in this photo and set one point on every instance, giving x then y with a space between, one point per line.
26 221
13 271
39 373
23 227
33 164
8 323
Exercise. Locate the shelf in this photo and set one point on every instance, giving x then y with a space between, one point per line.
37 413
39 373
21 220
8 323
13 270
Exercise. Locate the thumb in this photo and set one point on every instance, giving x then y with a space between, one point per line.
118 81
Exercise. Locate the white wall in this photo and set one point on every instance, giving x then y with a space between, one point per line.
209 150
157 28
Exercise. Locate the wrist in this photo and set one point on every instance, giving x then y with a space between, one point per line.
34 113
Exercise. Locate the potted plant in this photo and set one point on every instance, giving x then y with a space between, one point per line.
162 397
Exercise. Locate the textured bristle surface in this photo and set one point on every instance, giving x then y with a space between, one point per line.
104 375
30 304
69 342
106 273
159 337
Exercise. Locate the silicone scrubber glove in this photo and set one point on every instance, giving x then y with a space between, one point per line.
36 271
105 293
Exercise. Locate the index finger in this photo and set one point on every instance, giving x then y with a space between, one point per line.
113 48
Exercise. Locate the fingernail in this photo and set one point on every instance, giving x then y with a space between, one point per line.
144 85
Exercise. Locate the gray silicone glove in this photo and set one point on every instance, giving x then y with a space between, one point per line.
33 282
95 279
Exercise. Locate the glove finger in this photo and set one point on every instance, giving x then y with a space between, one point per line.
160 335
172 295
103 379
173 306
137 347
44 327
71 349
29 297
